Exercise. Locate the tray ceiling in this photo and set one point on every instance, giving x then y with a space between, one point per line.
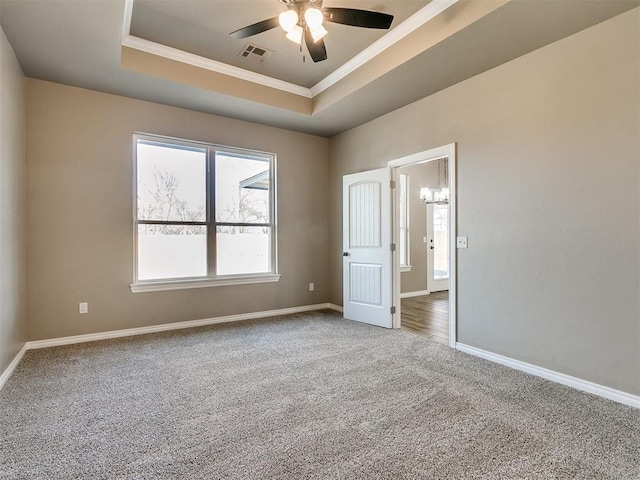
88 44
202 28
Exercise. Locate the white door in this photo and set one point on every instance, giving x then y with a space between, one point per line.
437 247
366 249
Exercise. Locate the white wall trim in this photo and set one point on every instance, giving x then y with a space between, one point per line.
162 286
212 65
415 21
422 16
129 332
417 293
583 385
574 382
165 51
424 156
449 152
12 366
333 306
126 20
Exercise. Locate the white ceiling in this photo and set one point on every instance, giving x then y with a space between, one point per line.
203 27
78 42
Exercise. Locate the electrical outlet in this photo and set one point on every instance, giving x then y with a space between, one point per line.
83 307
312 287
461 242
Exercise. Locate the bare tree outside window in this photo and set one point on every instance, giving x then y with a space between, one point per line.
166 205
202 211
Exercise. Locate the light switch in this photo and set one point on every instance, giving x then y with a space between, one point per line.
461 242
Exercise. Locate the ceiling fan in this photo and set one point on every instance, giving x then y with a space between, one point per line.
303 21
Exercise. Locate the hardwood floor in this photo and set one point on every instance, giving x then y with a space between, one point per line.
427 315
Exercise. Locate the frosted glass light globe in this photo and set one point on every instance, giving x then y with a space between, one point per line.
318 33
313 17
288 20
295 34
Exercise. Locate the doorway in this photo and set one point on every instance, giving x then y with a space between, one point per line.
427 315
424 260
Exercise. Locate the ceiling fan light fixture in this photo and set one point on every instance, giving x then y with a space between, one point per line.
295 34
313 17
288 20
303 21
318 33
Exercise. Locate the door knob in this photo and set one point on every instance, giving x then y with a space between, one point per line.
345 254
431 247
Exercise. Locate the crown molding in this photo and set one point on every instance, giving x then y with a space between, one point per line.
165 51
212 65
126 21
422 16
415 21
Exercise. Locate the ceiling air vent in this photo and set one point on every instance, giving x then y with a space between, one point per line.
255 53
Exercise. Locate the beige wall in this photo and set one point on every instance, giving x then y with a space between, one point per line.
548 194
80 238
12 206
421 175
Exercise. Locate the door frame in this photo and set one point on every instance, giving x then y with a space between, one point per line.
448 152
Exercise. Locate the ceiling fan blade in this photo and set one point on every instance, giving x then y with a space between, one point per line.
256 28
317 50
358 18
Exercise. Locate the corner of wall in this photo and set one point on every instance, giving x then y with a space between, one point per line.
13 303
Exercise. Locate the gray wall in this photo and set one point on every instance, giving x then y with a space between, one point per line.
422 175
12 206
548 193
80 236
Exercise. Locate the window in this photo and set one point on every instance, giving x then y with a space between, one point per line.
405 265
204 215
440 242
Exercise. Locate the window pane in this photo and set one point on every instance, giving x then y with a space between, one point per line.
404 212
171 182
243 250
242 189
171 251
440 242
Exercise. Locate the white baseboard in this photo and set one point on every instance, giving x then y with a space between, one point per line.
417 293
577 383
584 385
12 366
128 332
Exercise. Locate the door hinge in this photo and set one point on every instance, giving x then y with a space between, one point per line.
393 310
393 247
392 183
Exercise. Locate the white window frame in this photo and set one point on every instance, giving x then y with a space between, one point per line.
211 280
403 194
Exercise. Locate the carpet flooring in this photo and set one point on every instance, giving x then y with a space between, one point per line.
307 396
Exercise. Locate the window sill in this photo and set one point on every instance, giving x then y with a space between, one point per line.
405 269
161 286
